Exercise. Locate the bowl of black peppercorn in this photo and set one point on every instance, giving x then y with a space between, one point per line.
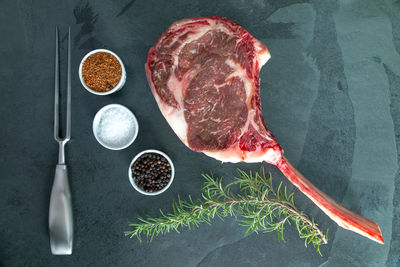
151 172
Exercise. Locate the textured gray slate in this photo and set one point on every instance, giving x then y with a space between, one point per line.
330 95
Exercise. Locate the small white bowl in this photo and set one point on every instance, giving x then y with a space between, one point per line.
121 81
96 124
132 180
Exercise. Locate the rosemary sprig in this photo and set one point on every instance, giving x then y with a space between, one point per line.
258 206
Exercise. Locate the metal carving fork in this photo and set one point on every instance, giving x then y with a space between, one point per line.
60 210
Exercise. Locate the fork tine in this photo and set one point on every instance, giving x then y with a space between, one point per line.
57 90
68 131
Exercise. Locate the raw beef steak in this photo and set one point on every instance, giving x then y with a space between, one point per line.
204 75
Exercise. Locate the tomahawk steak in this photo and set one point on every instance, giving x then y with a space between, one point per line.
204 75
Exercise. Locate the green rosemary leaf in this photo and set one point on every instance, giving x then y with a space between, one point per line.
258 207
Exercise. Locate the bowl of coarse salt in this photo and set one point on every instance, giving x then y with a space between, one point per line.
115 127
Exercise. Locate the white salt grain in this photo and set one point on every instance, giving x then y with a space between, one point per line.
116 127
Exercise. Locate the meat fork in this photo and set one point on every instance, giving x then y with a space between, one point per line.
60 210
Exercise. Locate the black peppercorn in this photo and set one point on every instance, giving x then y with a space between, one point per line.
151 172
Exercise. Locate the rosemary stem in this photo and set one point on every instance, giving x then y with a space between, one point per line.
257 196
287 207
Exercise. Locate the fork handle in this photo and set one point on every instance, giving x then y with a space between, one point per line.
60 214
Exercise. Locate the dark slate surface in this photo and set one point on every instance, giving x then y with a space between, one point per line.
330 93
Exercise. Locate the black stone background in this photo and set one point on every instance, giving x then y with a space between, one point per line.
306 105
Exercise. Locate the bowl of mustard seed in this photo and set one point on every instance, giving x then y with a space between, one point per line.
151 172
102 72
